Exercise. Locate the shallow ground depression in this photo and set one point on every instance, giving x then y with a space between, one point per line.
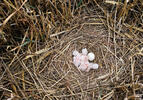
68 80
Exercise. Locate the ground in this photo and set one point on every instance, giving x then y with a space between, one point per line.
36 50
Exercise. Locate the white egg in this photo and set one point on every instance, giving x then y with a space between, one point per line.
95 66
75 53
91 56
84 51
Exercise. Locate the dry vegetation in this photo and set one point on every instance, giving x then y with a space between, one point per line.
37 38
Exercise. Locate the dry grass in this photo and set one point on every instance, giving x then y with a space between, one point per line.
38 37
